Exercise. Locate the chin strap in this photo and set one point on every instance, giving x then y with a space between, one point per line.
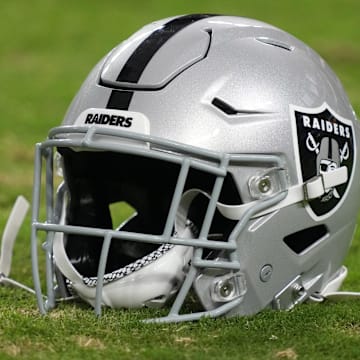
11 231
341 295
330 291
312 189
9 236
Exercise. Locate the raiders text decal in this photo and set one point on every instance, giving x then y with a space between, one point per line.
114 119
325 142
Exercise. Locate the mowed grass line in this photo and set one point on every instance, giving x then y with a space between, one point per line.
46 49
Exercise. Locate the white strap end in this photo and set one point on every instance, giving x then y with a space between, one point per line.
317 186
11 230
336 177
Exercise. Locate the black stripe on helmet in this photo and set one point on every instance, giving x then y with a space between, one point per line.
142 55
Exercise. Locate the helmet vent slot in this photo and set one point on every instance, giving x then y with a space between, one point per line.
224 107
229 110
276 43
303 239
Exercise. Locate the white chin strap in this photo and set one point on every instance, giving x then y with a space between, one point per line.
11 230
331 292
9 236
332 287
311 189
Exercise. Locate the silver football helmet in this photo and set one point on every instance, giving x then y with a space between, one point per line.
232 148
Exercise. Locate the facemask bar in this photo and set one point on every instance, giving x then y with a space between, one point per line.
97 138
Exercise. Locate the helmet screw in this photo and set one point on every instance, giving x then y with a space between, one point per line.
226 289
266 272
298 289
264 185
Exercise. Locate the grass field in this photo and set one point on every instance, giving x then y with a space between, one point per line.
46 49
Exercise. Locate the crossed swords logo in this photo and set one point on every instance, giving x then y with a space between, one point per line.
314 146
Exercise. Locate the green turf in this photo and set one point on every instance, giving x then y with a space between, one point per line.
46 49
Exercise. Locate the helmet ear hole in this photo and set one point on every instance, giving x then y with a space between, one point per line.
301 240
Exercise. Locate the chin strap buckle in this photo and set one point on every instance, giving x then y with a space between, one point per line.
265 184
324 182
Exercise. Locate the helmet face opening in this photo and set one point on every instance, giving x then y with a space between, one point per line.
96 180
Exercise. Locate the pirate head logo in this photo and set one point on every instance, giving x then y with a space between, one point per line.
325 143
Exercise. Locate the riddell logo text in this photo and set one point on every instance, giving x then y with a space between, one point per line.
106 119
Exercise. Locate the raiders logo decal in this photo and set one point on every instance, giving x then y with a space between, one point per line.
114 119
325 141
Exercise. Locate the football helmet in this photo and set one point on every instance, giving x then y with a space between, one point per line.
231 148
